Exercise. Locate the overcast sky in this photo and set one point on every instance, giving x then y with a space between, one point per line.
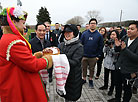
63 10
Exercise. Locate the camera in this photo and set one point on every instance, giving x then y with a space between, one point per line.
110 42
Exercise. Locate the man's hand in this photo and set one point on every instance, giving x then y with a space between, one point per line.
97 58
123 45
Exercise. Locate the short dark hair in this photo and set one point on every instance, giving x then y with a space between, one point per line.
119 27
93 19
38 25
135 23
56 23
78 25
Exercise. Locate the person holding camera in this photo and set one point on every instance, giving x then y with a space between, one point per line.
127 63
109 61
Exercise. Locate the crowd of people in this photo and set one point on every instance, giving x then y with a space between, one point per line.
22 62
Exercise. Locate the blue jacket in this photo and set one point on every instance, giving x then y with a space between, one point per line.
92 44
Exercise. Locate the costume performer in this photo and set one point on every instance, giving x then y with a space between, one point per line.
19 77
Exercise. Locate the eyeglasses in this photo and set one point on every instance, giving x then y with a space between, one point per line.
47 26
102 30
118 29
41 30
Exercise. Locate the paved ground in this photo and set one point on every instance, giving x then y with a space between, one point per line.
88 95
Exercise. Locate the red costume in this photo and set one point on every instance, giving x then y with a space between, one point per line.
19 77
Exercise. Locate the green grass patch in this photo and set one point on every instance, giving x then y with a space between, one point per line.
28 35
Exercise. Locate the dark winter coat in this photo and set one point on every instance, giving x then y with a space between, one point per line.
37 46
53 39
128 58
1 33
74 53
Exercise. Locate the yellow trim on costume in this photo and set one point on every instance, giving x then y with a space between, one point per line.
46 61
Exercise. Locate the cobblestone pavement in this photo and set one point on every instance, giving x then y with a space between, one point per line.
88 95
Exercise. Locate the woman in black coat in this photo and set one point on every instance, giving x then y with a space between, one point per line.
74 52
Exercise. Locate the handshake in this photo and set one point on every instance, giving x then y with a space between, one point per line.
46 53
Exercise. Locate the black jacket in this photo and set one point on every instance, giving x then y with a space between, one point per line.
128 58
1 33
80 35
74 53
123 33
37 46
57 31
53 39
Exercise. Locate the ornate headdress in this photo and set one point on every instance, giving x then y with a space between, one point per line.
18 13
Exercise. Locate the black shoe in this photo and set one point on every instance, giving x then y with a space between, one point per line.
103 88
113 100
110 93
50 80
83 81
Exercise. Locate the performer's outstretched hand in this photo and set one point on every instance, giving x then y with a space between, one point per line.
50 62
38 54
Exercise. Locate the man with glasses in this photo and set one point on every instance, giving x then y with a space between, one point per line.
121 31
93 44
86 27
50 36
57 30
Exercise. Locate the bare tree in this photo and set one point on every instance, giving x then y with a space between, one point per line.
76 20
94 14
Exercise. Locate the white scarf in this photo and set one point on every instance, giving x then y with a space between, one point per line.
67 42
